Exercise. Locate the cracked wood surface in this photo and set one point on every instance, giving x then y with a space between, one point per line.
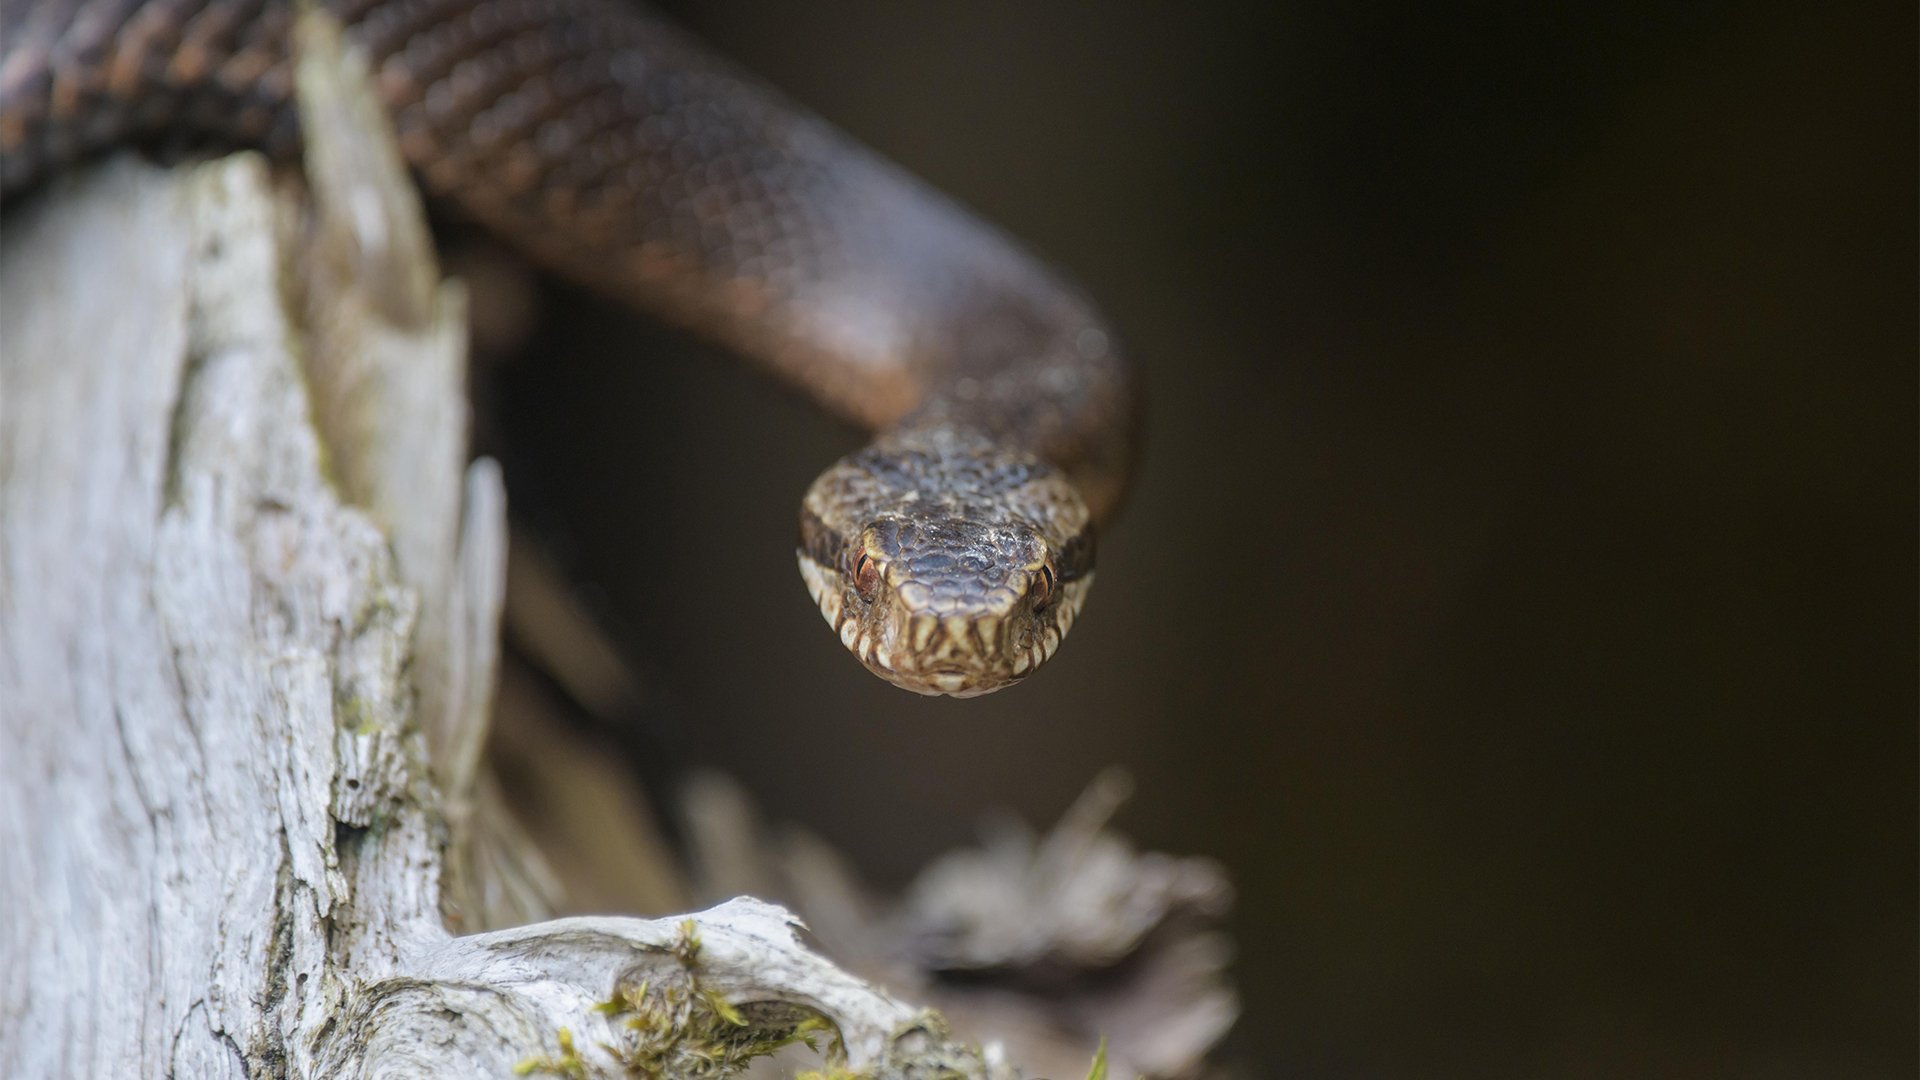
229 650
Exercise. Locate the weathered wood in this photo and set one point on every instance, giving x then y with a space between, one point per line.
230 648
202 651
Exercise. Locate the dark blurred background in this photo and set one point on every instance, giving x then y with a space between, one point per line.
1520 593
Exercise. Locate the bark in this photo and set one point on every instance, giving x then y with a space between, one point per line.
248 604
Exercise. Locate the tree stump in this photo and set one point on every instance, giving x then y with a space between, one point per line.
249 591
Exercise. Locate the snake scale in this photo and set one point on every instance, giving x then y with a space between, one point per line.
954 551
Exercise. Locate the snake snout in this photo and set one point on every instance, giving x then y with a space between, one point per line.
964 631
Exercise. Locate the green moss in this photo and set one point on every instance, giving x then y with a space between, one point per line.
354 715
567 1064
833 1072
1099 1069
672 1026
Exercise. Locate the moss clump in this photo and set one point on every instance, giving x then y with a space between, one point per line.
567 1064
671 1026
677 1027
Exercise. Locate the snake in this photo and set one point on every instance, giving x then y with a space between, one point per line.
952 553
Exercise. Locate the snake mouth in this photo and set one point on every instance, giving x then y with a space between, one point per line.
947 682
954 682
952 657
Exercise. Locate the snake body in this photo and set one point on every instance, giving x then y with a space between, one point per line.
953 552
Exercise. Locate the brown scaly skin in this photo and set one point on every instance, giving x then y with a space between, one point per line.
610 147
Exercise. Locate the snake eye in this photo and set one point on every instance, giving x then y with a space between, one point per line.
866 576
1043 589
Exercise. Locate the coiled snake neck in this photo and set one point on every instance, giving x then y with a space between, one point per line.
951 554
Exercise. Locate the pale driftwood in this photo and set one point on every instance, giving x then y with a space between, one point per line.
221 849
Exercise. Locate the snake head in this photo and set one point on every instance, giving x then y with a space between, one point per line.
946 564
